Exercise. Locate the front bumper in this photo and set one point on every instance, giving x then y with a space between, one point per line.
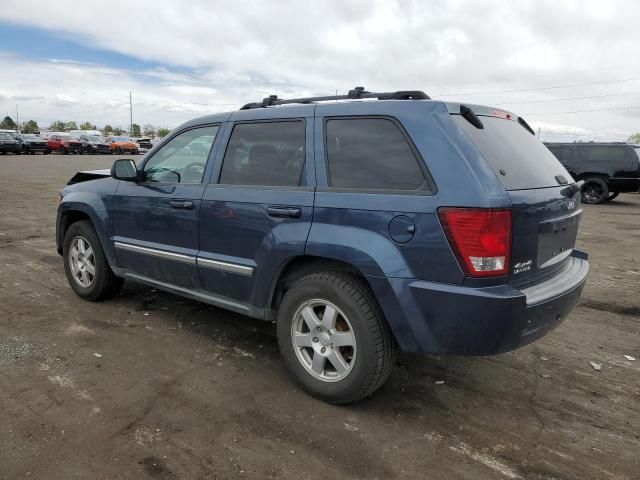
432 317
35 147
73 147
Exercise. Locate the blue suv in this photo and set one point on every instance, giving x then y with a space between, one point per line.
362 223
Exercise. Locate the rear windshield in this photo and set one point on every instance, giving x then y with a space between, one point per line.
508 147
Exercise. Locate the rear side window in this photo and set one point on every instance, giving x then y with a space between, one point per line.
372 154
268 153
561 153
517 158
602 154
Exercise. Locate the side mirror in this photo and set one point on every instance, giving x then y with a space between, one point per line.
124 169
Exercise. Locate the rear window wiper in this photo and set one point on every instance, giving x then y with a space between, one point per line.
470 116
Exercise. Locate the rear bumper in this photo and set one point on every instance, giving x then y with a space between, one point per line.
431 317
623 185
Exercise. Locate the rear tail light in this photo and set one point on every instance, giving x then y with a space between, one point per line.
480 237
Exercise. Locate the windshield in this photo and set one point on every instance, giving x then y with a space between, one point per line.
119 139
95 138
31 136
517 158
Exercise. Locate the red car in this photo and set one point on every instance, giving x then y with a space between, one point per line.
63 143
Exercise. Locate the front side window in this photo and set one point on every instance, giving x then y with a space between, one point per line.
267 153
183 158
372 154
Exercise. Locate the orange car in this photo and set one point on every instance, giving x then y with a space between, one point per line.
120 145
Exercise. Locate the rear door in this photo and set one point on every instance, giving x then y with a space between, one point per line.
256 212
546 210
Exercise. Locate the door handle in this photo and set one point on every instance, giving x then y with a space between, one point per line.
284 212
182 204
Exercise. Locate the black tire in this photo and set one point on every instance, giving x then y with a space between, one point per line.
612 196
105 284
376 348
594 191
17 151
118 151
46 152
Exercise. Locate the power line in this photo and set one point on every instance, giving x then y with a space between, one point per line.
570 98
573 85
582 111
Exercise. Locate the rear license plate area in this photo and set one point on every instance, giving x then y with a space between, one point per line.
556 238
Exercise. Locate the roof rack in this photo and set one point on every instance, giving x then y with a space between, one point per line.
355 94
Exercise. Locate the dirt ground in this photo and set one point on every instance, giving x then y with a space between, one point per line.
149 385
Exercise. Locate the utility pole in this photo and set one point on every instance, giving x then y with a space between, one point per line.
538 133
130 115
17 119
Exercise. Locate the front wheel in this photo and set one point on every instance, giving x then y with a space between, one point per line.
85 265
594 191
333 337
612 196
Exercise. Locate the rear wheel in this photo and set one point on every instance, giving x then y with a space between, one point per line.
85 265
118 151
333 337
594 190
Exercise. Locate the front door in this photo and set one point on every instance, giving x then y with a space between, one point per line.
156 220
257 212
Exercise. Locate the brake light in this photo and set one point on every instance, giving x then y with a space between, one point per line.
480 237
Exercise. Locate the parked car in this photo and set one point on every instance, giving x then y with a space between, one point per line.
120 145
31 143
93 144
9 144
607 169
360 227
143 142
62 142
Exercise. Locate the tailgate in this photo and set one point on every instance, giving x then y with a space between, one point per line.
545 202
545 227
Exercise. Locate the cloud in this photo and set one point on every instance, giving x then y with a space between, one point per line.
219 55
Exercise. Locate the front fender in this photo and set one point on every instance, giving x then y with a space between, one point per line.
95 204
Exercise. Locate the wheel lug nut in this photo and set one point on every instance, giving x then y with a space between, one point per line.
323 349
315 339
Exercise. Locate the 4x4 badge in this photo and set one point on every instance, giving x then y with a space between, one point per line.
522 267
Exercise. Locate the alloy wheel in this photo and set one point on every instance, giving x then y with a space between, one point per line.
323 340
82 262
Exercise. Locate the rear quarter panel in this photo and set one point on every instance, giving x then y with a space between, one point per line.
354 226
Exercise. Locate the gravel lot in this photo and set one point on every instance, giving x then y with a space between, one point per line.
149 385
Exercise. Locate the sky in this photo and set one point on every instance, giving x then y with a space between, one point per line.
570 68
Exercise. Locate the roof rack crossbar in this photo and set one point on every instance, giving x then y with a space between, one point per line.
355 94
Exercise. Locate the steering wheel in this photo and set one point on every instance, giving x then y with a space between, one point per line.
193 170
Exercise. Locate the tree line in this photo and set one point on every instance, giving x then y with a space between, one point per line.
31 126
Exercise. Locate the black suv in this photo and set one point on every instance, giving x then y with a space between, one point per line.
607 169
